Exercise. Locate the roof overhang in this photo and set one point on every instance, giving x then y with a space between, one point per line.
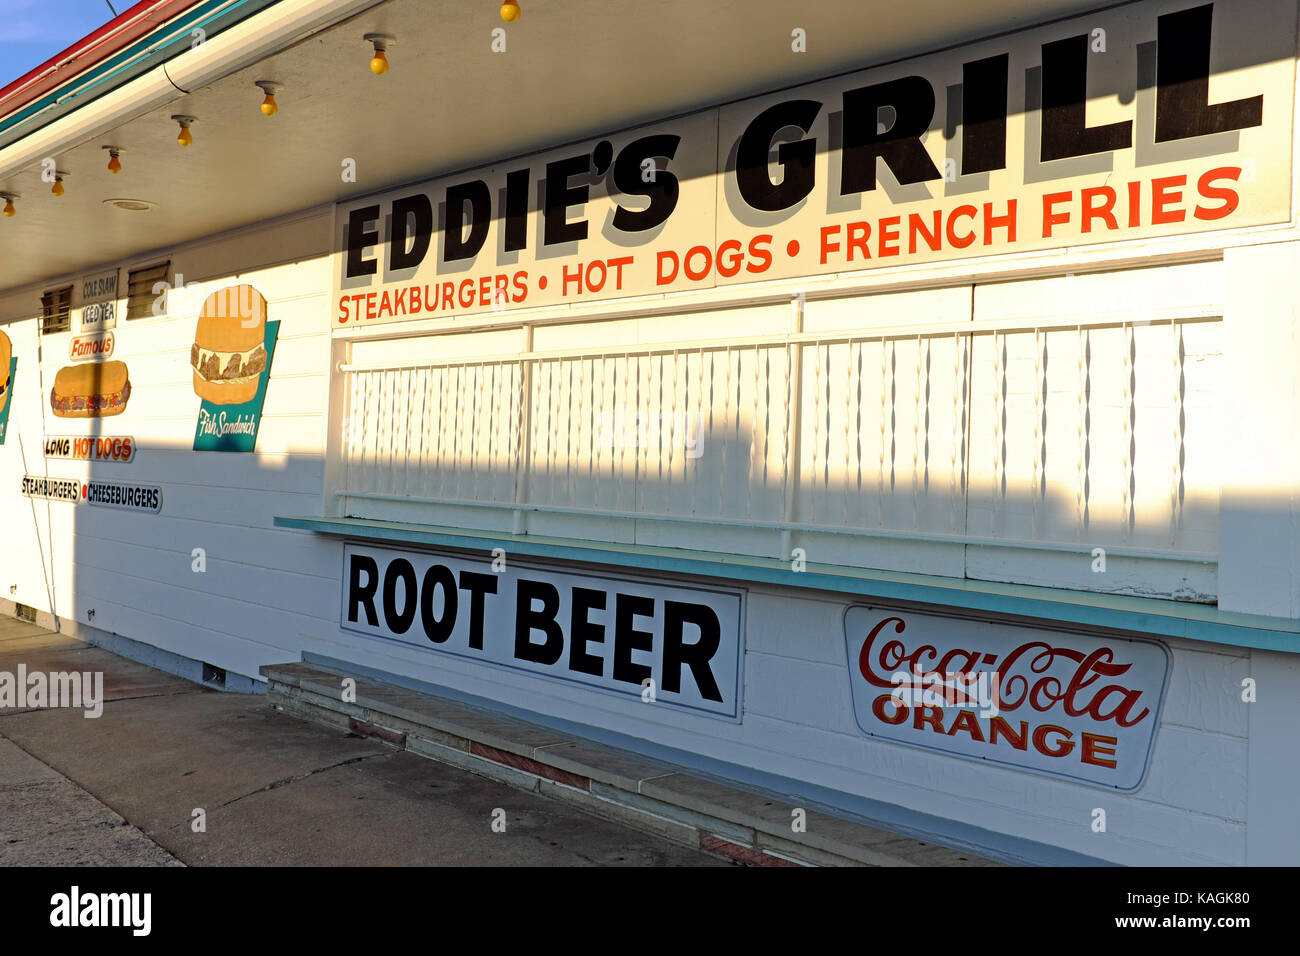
570 70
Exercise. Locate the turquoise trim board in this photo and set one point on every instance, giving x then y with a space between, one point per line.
1147 616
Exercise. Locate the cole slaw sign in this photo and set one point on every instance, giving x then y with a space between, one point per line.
1143 120
99 303
1064 704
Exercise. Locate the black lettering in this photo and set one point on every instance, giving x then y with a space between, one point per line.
477 585
912 99
628 639
582 631
363 594
797 159
984 115
417 206
528 620
695 656
1183 107
438 629
1065 94
399 622
456 245
560 196
662 190
516 229
359 240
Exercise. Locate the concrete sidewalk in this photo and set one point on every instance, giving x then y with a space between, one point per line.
126 788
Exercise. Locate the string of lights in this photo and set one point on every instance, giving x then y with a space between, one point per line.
378 64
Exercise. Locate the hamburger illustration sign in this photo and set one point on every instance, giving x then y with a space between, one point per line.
8 369
231 360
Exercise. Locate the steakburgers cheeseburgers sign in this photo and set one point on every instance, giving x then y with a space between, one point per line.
1065 704
1139 121
126 496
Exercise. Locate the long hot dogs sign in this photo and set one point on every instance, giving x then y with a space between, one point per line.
1064 704
1144 120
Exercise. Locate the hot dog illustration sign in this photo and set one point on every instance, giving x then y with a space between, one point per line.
1140 121
1064 704
231 362
91 390
8 371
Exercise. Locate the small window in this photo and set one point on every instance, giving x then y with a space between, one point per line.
56 311
140 295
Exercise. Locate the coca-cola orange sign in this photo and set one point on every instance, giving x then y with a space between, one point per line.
1070 705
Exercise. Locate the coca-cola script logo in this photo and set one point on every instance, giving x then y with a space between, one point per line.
1067 704
1010 680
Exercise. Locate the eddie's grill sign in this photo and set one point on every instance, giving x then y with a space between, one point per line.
1064 704
1142 120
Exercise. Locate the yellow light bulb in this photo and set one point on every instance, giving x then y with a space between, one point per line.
185 138
269 106
9 207
510 11
57 188
114 164
379 65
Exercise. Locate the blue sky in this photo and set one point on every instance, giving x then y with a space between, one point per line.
32 31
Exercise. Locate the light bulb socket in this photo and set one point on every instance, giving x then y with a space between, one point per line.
380 41
184 139
269 106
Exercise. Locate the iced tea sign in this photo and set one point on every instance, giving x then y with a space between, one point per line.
99 303
1065 704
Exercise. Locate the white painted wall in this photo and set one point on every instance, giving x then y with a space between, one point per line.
134 570
269 595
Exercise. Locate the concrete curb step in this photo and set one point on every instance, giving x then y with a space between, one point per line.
611 783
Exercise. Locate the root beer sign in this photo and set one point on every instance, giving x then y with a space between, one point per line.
1144 120
1069 705
660 644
